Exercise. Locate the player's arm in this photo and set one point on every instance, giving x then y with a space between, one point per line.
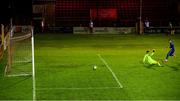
144 59
153 51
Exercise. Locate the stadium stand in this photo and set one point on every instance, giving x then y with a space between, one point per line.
76 12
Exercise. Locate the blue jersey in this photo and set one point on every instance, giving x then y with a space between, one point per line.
171 51
172 46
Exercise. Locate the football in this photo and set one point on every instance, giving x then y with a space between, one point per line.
95 67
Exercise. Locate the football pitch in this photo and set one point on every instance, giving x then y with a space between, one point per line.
64 69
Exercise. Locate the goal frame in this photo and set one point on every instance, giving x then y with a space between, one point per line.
8 44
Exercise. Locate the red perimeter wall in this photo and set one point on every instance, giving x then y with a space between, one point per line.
77 12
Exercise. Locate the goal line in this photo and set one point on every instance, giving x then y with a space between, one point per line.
77 88
18 75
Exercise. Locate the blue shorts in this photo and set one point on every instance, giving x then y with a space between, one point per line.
171 52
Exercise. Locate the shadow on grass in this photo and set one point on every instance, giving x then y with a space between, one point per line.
15 83
174 68
178 64
148 66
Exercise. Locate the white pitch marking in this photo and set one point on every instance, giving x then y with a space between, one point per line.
18 75
113 74
87 88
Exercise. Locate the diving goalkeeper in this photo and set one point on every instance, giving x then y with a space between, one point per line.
148 59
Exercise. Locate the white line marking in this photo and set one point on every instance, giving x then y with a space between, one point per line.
113 74
18 75
26 61
87 88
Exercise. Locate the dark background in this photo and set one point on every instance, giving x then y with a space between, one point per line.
77 12
19 10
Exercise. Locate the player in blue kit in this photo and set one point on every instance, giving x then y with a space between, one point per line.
171 51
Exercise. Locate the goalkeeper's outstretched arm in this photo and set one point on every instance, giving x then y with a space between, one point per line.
145 57
153 51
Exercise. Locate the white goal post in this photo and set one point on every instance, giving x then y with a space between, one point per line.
20 49
19 44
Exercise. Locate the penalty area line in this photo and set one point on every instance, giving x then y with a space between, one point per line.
109 68
87 88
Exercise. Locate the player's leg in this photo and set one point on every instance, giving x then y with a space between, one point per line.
159 64
166 59
172 32
91 30
154 62
173 54
167 56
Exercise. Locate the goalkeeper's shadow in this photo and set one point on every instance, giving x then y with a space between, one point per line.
148 66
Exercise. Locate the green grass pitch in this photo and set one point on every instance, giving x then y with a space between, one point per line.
64 69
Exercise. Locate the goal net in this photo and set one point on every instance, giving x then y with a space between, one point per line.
20 51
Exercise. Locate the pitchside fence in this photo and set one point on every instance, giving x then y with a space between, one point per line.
111 30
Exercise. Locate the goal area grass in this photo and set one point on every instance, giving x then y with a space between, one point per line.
64 69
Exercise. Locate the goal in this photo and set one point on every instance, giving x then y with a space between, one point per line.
20 49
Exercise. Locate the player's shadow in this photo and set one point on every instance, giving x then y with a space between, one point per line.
149 66
174 68
178 64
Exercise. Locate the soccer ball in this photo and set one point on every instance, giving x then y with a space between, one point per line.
95 67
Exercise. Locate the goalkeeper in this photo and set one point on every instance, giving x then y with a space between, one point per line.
148 59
